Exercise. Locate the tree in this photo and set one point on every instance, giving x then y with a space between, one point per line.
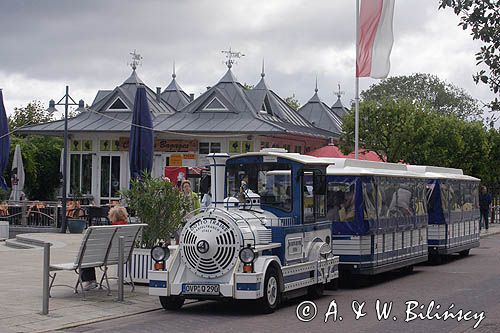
482 17
33 113
41 155
400 130
292 102
426 90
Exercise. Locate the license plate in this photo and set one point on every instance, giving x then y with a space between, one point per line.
200 289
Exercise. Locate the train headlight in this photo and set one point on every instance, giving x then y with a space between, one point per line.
247 255
160 253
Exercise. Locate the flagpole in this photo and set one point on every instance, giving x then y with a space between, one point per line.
356 98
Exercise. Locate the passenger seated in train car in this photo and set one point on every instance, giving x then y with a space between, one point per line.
346 211
401 202
340 202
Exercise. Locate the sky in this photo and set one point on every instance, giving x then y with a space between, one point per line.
46 45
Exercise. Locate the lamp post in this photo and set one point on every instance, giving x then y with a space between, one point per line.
52 108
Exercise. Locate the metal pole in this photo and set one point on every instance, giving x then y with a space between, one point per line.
46 265
356 99
121 240
65 163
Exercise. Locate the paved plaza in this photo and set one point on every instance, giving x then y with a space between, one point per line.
21 290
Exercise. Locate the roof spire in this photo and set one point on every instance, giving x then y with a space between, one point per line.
339 92
316 88
173 71
230 55
263 73
136 60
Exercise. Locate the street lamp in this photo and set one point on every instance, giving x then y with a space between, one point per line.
52 108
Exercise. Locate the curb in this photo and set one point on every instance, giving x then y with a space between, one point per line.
97 320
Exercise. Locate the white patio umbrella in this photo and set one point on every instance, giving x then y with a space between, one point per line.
17 177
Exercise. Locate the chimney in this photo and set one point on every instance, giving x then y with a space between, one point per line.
191 97
158 94
217 172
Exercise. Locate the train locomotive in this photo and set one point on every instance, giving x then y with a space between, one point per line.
266 237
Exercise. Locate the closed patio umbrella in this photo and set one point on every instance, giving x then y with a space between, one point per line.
141 136
4 142
17 175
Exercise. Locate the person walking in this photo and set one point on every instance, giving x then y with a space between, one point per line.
484 206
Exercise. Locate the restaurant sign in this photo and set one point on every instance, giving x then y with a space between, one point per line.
164 145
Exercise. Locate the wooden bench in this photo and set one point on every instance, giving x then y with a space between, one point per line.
95 249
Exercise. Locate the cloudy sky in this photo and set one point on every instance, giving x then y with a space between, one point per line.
45 45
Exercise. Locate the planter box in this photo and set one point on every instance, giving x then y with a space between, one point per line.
140 263
4 229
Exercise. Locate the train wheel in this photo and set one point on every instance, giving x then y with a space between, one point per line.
272 296
333 285
171 303
316 291
464 253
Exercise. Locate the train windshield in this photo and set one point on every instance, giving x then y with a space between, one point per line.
273 182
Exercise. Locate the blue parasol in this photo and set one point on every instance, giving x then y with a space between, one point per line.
141 136
4 142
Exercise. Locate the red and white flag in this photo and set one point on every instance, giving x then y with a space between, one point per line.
375 38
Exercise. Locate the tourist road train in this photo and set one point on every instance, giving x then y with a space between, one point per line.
283 225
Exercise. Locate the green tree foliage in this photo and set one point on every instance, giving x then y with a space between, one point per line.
483 19
399 130
426 90
41 159
292 102
157 203
41 155
33 113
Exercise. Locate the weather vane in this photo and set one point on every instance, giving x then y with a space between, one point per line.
136 60
230 55
340 92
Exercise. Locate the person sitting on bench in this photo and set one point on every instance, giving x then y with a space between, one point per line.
117 216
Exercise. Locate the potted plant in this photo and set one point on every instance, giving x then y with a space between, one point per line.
161 206
74 215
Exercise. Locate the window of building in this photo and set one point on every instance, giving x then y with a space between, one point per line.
209 147
298 149
110 177
266 106
215 105
118 105
80 173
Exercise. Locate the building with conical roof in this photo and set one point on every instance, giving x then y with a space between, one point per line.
320 115
174 95
225 118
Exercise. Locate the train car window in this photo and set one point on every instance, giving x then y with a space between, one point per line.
444 196
273 182
314 196
468 199
475 195
370 194
341 201
455 197
402 200
421 199
430 195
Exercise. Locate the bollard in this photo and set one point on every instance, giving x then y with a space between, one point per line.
46 265
120 267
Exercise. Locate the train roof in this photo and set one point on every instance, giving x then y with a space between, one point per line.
351 167
278 152
441 173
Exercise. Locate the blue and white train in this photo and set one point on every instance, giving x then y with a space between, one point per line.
284 224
